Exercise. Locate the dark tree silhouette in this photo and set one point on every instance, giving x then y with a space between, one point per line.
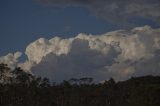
28 90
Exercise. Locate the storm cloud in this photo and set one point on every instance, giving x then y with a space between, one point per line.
79 62
120 54
114 10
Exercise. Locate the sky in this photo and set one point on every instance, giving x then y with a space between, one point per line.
23 21
50 31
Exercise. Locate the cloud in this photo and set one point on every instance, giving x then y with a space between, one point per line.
149 65
120 54
11 59
114 10
79 62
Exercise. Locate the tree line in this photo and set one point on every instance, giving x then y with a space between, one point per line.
19 88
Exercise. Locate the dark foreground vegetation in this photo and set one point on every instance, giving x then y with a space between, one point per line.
18 88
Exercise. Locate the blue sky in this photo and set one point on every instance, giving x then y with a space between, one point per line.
23 21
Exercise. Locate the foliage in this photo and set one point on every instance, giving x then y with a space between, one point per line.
27 90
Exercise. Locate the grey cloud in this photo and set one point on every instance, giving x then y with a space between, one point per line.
114 10
79 62
149 66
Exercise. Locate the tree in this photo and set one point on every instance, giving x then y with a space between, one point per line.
5 75
65 84
45 83
86 80
74 81
22 77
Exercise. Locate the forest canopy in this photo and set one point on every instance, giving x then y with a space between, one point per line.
18 88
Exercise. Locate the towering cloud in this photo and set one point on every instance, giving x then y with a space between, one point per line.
116 10
80 61
119 54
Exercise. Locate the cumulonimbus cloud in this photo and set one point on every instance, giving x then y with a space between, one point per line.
119 54
114 10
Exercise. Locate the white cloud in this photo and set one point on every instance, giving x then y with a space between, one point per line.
95 55
41 47
11 59
119 54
